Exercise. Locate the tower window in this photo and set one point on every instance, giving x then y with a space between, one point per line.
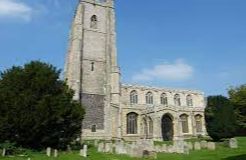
92 66
93 128
94 22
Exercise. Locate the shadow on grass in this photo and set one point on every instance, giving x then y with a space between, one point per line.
240 157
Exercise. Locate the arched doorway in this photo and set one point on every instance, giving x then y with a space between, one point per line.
167 127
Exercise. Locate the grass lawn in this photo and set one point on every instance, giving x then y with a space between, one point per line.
221 153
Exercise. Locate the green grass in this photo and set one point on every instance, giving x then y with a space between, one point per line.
221 153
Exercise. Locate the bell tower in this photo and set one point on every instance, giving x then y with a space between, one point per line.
91 68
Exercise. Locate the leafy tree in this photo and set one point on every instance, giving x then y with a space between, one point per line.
238 98
220 118
36 108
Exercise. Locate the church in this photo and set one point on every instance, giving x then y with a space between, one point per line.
116 111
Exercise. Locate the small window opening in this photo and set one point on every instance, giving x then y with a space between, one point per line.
92 66
93 128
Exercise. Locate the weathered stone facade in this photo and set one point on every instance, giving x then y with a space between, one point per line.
112 111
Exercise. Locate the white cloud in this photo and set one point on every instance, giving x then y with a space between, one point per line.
177 71
15 9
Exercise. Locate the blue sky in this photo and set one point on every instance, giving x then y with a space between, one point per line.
197 44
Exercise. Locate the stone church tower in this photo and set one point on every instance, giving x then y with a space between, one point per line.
91 68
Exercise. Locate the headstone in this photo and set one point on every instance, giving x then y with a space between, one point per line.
211 146
120 148
189 145
69 149
149 154
95 143
28 158
48 151
233 143
81 152
186 149
204 144
135 151
158 148
108 147
164 148
100 147
179 146
4 152
197 146
85 147
55 153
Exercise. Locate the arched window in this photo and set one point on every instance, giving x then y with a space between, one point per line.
93 22
189 100
177 100
132 123
184 123
198 119
164 99
149 98
134 97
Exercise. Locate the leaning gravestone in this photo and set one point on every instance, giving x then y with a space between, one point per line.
197 146
4 152
211 146
48 151
233 143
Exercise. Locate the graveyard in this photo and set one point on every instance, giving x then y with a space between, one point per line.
221 151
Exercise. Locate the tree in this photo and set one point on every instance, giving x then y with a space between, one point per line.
238 98
220 118
36 108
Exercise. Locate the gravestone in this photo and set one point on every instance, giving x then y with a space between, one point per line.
108 147
197 146
164 148
189 145
69 149
95 143
48 151
100 147
55 153
149 154
186 149
233 143
179 146
204 144
4 152
211 146
85 148
120 148
28 158
81 152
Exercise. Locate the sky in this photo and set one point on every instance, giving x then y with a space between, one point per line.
191 44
